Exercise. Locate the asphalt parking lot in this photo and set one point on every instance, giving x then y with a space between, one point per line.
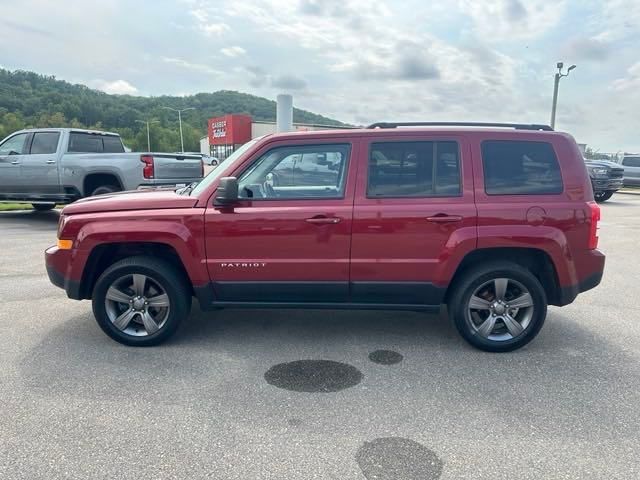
233 395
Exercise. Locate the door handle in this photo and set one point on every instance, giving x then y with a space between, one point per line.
444 218
322 220
51 162
15 162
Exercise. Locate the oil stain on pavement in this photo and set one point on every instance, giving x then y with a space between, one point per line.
313 376
385 357
397 458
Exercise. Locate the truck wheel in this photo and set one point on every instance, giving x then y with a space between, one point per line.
43 207
602 196
498 307
140 301
105 189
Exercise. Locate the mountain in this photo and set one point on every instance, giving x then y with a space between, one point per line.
28 99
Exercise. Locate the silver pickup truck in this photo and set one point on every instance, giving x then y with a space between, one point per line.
59 165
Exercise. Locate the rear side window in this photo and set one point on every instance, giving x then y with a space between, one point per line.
631 162
414 169
44 142
112 144
520 168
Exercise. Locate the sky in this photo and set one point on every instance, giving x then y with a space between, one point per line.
357 61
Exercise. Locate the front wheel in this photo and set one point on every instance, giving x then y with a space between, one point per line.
602 196
43 207
498 307
141 301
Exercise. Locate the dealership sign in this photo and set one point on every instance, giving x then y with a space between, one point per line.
229 130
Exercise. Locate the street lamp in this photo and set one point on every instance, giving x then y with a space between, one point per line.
180 122
147 122
556 83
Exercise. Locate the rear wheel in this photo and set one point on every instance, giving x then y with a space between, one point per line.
105 189
498 307
43 207
602 196
140 301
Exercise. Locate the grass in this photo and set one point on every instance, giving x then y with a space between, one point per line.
6 207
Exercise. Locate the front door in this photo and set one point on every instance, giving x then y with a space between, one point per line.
11 155
288 239
413 209
39 170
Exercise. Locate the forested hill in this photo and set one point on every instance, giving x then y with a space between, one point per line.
28 99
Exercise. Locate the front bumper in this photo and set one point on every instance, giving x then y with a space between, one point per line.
607 184
57 262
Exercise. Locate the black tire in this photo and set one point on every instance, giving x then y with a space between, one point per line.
602 196
213 163
475 277
43 207
172 281
101 190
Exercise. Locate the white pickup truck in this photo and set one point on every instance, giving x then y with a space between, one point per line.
47 166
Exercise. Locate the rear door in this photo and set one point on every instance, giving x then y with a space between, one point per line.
39 175
11 155
288 239
413 212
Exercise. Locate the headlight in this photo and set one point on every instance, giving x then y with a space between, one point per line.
600 171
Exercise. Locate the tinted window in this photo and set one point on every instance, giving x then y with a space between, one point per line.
517 168
414 169
85 143
297 172
14 145
631 162
112 144
44 142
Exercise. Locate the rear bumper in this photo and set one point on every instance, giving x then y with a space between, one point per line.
595 260
56 261
167 183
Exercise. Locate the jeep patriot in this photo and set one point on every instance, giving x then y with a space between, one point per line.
496 221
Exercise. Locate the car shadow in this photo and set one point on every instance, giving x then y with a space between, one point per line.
19 218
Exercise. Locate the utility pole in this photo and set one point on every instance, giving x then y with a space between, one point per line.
147 122
556 84
180 122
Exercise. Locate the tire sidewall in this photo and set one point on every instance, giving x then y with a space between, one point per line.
104 190
461 300
178 309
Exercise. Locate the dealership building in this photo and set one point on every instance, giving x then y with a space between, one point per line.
226 133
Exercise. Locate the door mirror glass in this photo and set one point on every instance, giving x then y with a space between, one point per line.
227 192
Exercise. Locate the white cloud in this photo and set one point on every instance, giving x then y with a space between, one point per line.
185 64
234 51
631 81
117 87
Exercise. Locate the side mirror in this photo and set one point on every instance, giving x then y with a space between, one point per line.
227 193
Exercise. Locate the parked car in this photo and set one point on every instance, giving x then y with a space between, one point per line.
497 223
60 165
606 178
631 164
206 159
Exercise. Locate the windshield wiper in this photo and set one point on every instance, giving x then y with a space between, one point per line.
187 190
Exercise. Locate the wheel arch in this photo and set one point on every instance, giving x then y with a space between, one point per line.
94 180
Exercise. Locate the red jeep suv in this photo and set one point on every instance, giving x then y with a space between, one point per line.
496 221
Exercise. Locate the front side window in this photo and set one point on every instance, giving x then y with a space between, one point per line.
520 168
414 169
631 162
85 143
44 142
14 145
297 172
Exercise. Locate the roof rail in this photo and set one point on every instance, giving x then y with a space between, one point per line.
517 126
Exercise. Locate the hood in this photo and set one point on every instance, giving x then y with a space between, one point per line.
602 163
132 200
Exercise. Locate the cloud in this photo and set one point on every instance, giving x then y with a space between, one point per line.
117 87
631 82
233 51
210 25
185 64
587 48
289 82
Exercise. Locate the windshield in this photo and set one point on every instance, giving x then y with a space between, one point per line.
217 172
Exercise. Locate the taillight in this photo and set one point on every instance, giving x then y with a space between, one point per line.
593 227
147 170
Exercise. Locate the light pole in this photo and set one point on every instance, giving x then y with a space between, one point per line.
147 122
180 122
556 84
